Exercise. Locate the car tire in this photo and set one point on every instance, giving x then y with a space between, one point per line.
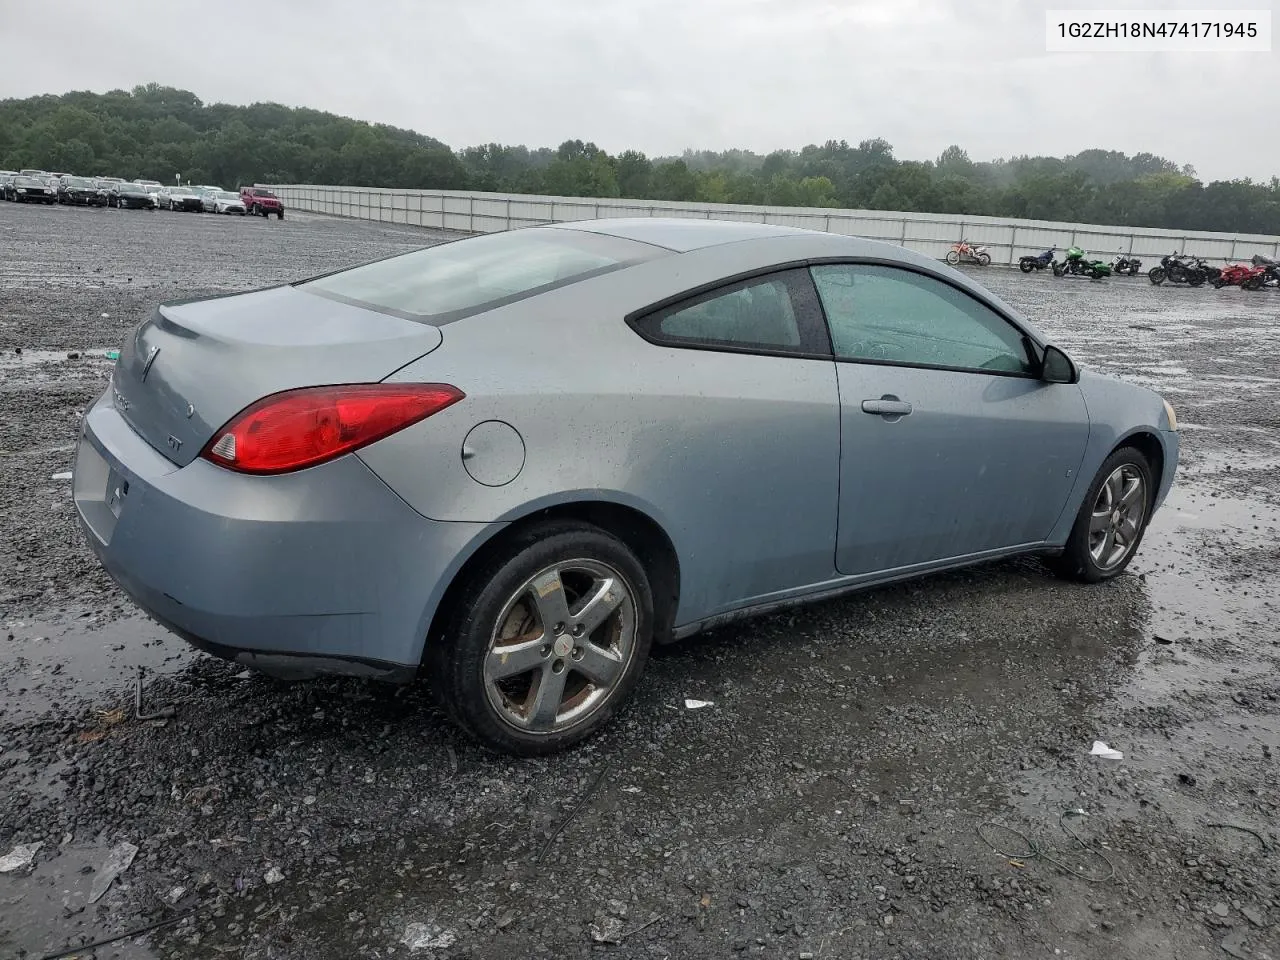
501 712
1092 550
280 215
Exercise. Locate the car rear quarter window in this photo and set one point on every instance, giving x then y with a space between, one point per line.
881 314
773 313
463 277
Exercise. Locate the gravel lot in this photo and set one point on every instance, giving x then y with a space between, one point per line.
833 802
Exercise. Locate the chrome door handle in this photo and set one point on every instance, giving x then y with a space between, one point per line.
887 406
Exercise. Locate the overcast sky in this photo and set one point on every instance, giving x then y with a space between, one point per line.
663 75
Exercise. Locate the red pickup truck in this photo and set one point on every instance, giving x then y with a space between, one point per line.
258 201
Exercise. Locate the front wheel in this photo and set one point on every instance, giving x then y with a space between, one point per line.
952 257
1059 269
1253 283
546 641
1111 520
279 215
1156 275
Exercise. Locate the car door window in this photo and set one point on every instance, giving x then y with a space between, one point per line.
887 314
774 313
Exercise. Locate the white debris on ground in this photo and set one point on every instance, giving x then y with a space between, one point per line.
1100 749
20 856
117 862
428 936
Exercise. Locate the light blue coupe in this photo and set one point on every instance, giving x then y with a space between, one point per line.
513 462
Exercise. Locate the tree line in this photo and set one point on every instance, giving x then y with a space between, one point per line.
155 132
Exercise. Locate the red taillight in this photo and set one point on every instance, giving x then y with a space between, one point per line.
300 428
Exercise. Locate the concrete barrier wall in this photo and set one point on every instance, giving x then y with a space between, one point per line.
929 233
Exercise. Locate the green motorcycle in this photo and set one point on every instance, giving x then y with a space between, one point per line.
1076 264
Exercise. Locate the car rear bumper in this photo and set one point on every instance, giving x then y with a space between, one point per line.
322 571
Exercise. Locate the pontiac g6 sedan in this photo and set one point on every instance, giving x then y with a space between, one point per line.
513 462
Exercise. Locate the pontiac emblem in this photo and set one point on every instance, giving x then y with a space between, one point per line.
151 358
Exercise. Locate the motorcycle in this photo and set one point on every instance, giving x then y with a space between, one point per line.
1038 262
1241 275
1271 270
965 252
1177 268
1123 264
1076 265
1211 273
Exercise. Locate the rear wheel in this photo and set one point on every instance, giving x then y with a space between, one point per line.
1059 269
984 259
1025 265
1253 283
1111 521
545 642
279 214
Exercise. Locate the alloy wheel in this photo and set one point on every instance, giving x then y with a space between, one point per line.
1118 514
561 645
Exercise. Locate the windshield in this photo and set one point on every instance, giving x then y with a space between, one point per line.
180 191
227 195
75 181
452 280
132 187
263 193
28 182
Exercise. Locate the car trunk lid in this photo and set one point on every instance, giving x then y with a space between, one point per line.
193 366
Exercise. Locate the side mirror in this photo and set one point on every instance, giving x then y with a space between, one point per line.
1056 367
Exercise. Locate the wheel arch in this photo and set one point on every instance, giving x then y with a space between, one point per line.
630 523
1148 443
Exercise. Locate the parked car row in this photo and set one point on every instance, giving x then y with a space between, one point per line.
39 186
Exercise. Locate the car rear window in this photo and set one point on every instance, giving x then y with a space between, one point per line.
453 280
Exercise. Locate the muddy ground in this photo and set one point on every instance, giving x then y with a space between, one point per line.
840 798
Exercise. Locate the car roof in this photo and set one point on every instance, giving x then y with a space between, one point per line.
678 233
708 252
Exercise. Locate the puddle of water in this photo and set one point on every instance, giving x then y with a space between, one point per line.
48 662
49 910
1204 623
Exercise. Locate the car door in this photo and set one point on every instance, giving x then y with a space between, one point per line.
746 396
951 444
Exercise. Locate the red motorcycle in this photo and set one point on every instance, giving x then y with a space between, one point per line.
1240 275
